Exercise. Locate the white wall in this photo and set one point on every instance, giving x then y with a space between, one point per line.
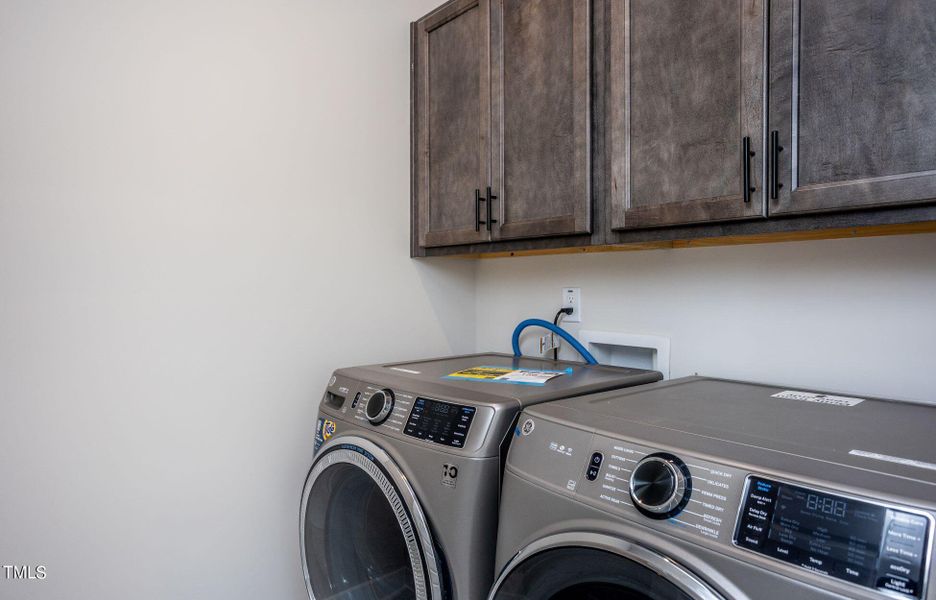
853 315
203 211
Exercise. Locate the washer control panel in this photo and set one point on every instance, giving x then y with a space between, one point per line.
440 422
865 543
453 426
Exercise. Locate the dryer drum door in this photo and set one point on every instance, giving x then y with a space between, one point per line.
595 567
364 535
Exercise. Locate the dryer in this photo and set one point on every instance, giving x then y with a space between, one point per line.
401 499
705 489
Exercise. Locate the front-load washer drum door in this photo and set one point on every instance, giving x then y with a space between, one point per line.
363 537
601 568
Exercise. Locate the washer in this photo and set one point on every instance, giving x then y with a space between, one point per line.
401 500
706 489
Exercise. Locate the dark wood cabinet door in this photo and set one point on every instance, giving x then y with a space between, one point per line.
452 122
853 101
685 88
540 112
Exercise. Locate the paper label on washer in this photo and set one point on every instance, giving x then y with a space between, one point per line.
845 401
491 374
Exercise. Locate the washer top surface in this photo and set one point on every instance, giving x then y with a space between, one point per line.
740 420
432 377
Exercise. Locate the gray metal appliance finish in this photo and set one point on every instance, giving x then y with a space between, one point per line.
577 467
401 500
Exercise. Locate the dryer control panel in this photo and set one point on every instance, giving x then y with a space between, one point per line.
873 545
881 547
685 495
677 493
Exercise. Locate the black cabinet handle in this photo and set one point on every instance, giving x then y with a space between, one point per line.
488 218
775 150
746 155
490 200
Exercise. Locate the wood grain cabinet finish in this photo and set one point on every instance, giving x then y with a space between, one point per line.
685 89
541 112
452 122
502 102
853 102
638 122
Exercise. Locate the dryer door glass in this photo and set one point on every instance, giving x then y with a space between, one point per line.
359 543
585 574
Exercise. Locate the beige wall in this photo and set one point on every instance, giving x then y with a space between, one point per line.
203 210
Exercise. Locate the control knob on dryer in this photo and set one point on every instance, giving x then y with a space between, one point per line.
660 486
379 406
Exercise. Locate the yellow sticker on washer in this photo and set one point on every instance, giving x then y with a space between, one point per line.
538 377
480 373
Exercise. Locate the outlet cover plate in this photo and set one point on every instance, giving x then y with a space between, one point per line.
572 298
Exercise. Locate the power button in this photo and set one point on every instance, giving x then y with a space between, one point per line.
594 466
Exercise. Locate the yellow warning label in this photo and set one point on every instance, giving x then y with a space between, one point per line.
507 375
481 373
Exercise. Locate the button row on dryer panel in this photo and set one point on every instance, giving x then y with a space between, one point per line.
614 478
594 466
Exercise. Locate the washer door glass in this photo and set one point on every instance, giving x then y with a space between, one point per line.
585 574
358 540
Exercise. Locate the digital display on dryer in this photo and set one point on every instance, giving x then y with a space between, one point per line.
440 422
856 541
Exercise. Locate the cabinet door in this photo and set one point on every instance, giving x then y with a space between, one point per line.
853 101
452 121
540 100
686 90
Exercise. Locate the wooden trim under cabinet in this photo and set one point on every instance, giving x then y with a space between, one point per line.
762 238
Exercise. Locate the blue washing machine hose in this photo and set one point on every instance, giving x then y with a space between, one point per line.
515 341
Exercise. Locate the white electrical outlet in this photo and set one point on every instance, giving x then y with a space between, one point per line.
572 298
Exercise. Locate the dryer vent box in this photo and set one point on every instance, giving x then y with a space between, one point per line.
629 350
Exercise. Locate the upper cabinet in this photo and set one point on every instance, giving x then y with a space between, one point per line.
548 124
853 103
540 91
501 117
452 123
685 111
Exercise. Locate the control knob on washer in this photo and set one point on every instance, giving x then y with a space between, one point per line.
379 406
660 486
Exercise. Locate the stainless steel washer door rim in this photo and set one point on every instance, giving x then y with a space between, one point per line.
666 568
387 475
